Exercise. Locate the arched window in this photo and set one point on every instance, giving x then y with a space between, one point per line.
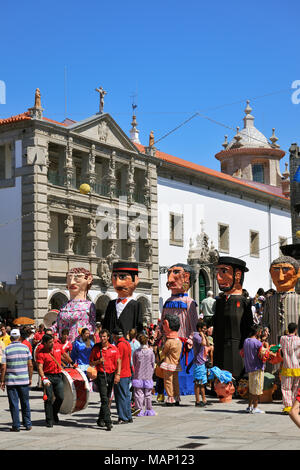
58 300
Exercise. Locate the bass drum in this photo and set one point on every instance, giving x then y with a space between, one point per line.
76 391
50 317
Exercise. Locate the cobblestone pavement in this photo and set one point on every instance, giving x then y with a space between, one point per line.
217 427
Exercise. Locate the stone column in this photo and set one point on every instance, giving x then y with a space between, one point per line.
91 174
112 240
104 273
149 248
34 226
69 235
132 249
92 238
130 182
111 175
49 227
151 151
153 239
113 255
68 167
147 188
131 242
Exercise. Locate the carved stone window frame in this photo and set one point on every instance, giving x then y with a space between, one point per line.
172 229
8 163
282 241
223 233
254 243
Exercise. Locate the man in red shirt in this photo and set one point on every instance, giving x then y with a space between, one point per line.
37 338
24 339
65 343
38 347
48 360
122 388
105 357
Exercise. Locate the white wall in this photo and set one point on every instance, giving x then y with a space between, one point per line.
11 227
241 216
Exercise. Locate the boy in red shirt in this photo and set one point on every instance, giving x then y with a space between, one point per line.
37 338
105 357
65 343
122 388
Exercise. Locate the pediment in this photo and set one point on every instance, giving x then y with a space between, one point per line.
104 129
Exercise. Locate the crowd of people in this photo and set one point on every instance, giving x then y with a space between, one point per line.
124 369
134 369
133 364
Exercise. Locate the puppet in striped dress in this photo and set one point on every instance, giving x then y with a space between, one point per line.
181 278
290 372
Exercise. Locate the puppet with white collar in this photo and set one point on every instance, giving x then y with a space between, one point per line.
124 312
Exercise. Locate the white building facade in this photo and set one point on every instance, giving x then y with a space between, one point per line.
206 210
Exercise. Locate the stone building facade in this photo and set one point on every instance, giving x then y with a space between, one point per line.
62 228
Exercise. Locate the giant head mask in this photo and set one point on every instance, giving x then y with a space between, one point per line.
230 274
285 273
79 280
125 278
180 278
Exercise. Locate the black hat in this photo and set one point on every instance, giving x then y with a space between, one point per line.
235 262
126 266
117 332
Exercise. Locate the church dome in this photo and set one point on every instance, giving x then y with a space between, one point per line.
250 155
249 136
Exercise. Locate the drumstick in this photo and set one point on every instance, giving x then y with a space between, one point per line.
103 367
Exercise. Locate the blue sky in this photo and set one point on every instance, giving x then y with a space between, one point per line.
177 57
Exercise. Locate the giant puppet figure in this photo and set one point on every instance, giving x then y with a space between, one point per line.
78 312
124 312
233 316
283 307
181 278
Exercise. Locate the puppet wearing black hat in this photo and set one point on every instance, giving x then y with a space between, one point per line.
124 312
233 316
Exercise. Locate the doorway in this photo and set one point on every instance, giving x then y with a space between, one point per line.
202 287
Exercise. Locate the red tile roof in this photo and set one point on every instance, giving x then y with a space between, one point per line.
272 190
55 122
26 116
19 117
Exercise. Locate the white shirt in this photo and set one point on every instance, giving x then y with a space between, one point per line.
120 306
